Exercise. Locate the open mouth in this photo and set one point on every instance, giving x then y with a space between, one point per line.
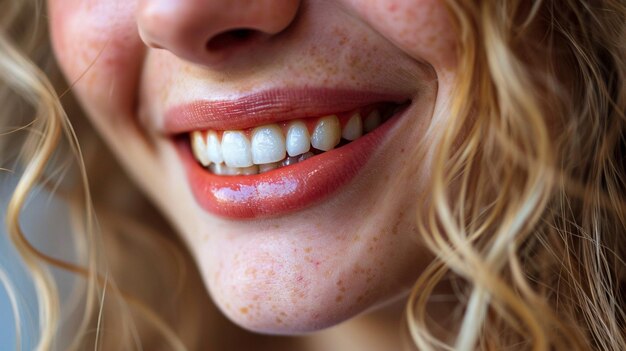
272 146
273 153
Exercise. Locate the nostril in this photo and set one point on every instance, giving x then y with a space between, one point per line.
230 38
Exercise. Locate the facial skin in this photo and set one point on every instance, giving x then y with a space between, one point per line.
306 270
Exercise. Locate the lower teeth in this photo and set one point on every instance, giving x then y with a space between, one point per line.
223 169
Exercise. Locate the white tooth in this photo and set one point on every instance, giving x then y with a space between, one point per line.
268 167
236 149
354 128
268 144
298 139
199 148
214 149
372 121
222 169
327 133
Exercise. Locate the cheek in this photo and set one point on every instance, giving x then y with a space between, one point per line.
422 28
99 51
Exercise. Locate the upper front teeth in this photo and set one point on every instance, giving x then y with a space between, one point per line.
298 139
270 146
236 149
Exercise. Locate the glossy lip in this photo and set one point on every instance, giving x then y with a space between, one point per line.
285 189
269 106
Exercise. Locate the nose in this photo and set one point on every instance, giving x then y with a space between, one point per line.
200 30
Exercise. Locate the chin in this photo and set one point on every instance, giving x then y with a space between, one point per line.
291 304
280 284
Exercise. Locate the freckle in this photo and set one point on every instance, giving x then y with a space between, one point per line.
244 310
402 150
279 321
339 298
282 313
356 238
371 249
340 282
251 272
308 250
360 298
342 289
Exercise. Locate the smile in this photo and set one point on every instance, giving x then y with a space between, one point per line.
275 168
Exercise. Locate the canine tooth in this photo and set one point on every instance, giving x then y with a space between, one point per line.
199 148
268 167
354 128
298 139
268 144
214 149
236 149
372 121
327 133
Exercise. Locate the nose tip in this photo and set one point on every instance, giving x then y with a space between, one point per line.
199 30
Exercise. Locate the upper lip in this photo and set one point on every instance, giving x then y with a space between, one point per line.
269 106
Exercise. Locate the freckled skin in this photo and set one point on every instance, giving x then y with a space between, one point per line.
325 264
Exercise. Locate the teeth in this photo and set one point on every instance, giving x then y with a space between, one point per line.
268 144
268 167
291 160
199 148
254 169
354 128
236 149
372 121
298 140
268 149
214 149
327 133
222 169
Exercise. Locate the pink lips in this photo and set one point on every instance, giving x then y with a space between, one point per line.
285 189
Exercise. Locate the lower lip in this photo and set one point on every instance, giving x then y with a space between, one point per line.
284 190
